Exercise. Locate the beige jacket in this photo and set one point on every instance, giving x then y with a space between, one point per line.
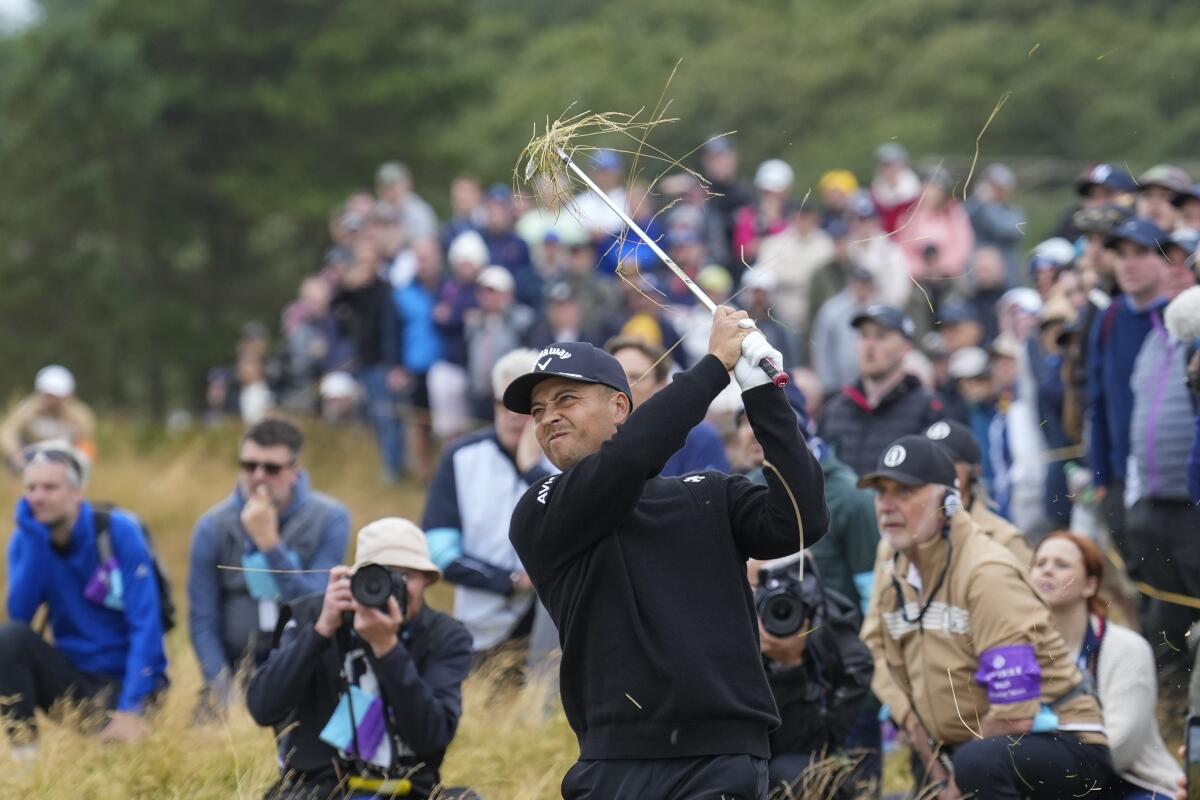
985 603
33 420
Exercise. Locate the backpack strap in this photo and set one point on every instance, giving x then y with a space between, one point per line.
104 546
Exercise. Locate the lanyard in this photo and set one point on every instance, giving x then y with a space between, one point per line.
1089 651
932 594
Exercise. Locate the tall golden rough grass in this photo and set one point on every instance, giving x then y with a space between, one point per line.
511 744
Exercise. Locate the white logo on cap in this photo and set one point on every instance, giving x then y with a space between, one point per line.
1100 173
557 352
895 456
938 431
543 364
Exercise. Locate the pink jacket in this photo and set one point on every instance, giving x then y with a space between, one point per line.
948 227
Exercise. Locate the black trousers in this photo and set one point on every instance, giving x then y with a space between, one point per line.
1041 766
1164 537
35 675
732 777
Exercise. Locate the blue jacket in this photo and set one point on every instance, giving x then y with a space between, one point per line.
1114 343
702 451
420 344
1193 466
221 612
125 645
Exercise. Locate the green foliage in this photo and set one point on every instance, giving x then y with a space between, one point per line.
169 166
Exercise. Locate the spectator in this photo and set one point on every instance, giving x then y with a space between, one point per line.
987 276
834 340
835 188
393 185
1035 724
695 320
886 401
1157 190
625 247
96 576
686 249
419 347
1068 570
339 397
1099 185
405 665
963 447
364 310
255 399
895 187
688 205
467 212
562 320
819 678
728 194
311 344
1115 339
757 298
647 320
545 228
478 482
497 327
995 219
1180 250
960 327
594 215
1160 518
273 520
1048 261
973 399
1182 320
220 397
938 220
598 297
507 249
51 412
646 368
768 215
1188 203
1047 360
795 254
386 227
458 297
869 246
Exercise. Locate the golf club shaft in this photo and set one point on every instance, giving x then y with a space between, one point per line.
777 375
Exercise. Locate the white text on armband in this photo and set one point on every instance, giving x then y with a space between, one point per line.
545 490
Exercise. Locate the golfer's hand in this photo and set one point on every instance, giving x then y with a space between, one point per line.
725 341
755 348
338 600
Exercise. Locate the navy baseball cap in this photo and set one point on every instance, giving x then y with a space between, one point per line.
1106 175
890 318
912 460
1192 193
1139 231
578 361
958 313
1187 240
957 440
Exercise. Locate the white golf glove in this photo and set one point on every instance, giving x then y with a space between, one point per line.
755 348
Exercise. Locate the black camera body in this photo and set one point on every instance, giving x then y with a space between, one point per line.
373 584
780 600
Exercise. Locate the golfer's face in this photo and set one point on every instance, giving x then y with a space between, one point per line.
572 419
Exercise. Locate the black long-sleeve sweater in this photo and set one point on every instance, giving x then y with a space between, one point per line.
645 577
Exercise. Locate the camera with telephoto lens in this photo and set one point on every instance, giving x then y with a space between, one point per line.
373 584
780 600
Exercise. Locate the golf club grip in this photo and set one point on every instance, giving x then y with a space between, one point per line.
777 376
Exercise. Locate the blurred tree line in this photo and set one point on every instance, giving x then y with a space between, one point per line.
168 168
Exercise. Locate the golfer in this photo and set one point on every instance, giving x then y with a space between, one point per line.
645 576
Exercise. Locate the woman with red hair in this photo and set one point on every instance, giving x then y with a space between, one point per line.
1067 572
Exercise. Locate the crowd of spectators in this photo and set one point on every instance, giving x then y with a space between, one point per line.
1060 377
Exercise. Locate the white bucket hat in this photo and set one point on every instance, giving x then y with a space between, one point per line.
394 542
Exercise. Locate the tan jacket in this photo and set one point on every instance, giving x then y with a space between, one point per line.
985 602
993 525
34 421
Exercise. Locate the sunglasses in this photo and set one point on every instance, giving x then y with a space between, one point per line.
35 453
268 467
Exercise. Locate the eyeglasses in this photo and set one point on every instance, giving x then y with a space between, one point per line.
58 455
268 467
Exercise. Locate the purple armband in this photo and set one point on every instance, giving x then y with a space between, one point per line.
1010 674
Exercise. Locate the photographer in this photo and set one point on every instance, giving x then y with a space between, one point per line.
340 658
817 667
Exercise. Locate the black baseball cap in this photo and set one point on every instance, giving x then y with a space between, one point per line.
578 361
957 440
912 460
887 317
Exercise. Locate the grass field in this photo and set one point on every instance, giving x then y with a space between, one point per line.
510 745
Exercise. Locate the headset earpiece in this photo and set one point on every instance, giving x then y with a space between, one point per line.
951 503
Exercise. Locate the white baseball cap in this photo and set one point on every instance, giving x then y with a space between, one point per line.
496 278
774 175
55 380
339 386
969 362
